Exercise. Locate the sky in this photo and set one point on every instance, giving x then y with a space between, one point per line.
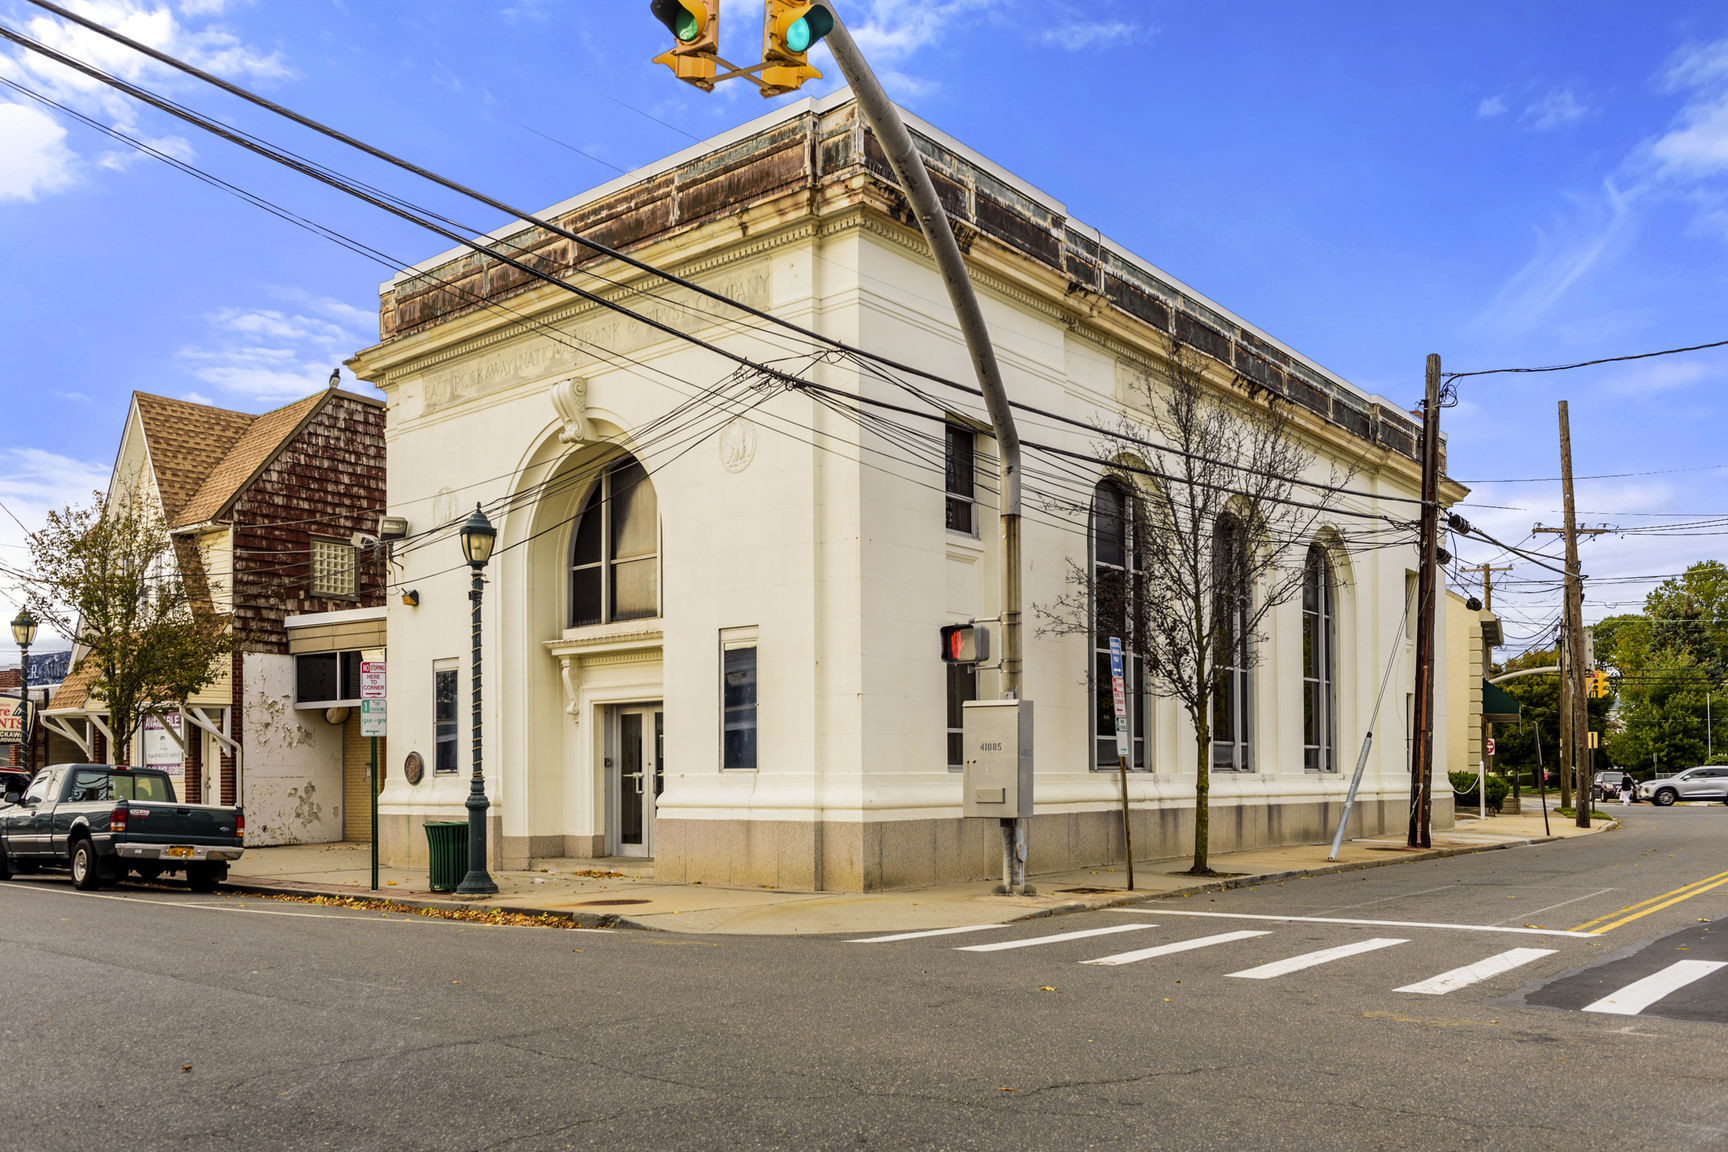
1505 184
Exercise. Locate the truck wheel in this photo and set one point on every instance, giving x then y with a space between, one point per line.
1664 797
201 878
5 866
86 875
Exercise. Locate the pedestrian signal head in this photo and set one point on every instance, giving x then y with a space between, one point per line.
695 28
792 28
965 644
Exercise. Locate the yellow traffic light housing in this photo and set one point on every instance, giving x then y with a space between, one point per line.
695 28
791 29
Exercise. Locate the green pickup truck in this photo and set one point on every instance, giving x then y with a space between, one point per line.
102 820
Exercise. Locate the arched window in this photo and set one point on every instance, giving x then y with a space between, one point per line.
1117 587
615 550
1319 664
1232 695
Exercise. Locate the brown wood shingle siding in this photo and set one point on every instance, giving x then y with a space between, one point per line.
327 483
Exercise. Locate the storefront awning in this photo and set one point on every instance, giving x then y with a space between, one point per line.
1498 706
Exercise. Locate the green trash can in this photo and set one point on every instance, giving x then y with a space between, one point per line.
447 853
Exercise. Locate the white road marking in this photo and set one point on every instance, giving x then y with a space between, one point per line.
1369 923
1313 959
1640 994
1562 904
930 932
1004 945
1473 973
1179 946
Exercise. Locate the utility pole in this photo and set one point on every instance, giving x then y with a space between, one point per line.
1576 702
1422 753
1487 571
1574 657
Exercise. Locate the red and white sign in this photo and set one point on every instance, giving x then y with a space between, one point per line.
372 680
1490 745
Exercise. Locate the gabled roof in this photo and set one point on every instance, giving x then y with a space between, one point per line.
73 694
186 441
204 457
255 449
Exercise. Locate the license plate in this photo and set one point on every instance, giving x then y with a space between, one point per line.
180 850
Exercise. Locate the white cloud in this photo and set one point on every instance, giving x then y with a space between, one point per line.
152 22
1565 253
33 483
269 356
1556 109
1077 35
1491 106
37 162
1697 143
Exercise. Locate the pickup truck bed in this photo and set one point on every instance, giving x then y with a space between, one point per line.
101 821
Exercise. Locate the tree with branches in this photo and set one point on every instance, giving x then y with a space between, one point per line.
108 576
1201 530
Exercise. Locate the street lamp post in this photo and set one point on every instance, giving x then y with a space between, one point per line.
478 536
24 633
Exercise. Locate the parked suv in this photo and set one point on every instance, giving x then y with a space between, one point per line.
1710 783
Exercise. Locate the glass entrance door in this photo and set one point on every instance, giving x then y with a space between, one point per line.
636 778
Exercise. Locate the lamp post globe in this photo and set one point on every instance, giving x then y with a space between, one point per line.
24 635
478 536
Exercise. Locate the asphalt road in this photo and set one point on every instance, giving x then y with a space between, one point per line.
151 1018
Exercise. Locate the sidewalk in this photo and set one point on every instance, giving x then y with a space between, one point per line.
603 893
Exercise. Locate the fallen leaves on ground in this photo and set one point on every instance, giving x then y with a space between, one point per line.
496 916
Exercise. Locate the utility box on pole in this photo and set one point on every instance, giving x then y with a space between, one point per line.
997 775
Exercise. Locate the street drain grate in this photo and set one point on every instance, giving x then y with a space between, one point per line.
1085 891
608 903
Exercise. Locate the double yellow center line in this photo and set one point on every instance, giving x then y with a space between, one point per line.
1655 904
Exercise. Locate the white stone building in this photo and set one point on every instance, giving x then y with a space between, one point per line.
711 623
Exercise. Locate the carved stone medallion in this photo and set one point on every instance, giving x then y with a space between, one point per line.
737 445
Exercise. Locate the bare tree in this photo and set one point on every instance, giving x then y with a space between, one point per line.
1204 503
109 577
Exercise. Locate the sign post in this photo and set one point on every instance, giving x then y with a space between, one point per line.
374 704
1121 695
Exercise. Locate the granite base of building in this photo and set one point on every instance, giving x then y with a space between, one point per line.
833 856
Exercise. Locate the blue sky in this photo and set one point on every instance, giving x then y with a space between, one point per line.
1503 183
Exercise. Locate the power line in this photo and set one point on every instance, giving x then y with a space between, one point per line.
1568 367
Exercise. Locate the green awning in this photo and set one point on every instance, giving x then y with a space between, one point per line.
1498 706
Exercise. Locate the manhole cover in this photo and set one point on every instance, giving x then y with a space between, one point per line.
592 903
1085 891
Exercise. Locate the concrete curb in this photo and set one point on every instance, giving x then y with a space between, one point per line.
615 921
367 896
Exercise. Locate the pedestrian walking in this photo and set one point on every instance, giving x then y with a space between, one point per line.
1626 787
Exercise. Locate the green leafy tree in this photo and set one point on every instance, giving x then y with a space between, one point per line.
107 576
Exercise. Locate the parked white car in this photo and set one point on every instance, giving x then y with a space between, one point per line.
1709 783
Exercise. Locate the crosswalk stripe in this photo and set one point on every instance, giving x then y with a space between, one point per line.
1004 945
1179 946
1472 973
1311 959
1640 994
929 932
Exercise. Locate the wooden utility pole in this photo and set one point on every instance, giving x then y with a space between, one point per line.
1487 581
1574 663
1572 690
1422 751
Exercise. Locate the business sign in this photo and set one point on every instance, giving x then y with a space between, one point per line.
12 713
1121 698
372 681
160 743
372 715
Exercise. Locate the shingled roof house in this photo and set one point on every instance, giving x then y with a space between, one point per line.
264 512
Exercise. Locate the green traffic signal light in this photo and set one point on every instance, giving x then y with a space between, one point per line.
685 26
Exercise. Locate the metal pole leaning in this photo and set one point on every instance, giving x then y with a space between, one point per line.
1350 797
890 130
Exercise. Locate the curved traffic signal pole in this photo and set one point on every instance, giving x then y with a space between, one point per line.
891 132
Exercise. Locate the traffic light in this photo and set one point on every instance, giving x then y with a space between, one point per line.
1598 685
695 28
793 27
965 644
